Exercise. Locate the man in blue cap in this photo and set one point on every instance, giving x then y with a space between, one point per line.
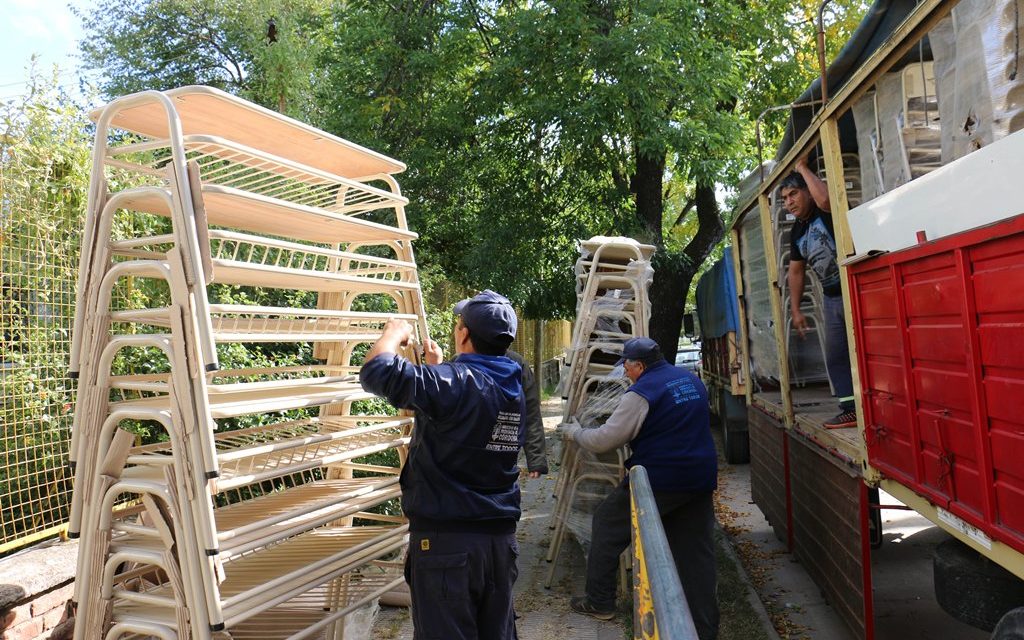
664 418
459 483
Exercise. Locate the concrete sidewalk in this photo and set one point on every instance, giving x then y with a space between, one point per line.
904 600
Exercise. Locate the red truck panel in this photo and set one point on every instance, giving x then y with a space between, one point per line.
940 346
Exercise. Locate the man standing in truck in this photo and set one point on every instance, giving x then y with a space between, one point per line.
665 419
812 243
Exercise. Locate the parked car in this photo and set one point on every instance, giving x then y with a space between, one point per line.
689 358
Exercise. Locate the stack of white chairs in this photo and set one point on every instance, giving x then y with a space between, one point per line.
613 276
278 530
920 130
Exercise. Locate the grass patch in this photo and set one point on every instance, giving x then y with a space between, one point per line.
739 620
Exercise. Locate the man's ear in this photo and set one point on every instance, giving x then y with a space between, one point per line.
461 335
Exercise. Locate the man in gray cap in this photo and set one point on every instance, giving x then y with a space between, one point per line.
459 483
664 418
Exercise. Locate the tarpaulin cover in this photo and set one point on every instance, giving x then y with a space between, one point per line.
717 310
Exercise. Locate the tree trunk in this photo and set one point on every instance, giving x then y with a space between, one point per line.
648 186
674 273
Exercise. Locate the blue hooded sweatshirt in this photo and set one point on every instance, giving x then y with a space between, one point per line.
462 471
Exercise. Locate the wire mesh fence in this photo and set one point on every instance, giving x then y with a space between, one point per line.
43 156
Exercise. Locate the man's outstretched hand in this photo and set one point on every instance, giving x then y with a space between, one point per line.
396 333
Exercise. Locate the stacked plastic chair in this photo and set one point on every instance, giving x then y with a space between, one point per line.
613 276
267 532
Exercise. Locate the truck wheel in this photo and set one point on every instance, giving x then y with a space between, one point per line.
1011 626
714 402
735 439
972 588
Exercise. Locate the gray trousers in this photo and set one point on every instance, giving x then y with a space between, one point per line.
837 352
689 522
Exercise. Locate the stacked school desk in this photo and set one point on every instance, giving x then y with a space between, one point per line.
274 530
613 276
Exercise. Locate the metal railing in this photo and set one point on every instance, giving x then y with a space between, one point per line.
660 609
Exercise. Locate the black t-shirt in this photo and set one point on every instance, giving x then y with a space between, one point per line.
813 240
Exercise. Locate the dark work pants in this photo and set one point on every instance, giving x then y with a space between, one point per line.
461 585
837 352
689 522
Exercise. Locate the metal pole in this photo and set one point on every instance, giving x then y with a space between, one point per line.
821 51
757 127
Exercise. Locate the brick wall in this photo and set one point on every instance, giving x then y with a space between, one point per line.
826 498
35 584
37 616
767 469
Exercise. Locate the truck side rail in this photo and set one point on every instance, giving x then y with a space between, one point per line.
660 609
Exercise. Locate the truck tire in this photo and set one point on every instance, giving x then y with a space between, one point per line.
714 402
972 588
1011 626
735 439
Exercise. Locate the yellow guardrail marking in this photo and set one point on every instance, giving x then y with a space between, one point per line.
645 625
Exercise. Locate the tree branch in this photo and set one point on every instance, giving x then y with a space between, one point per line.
686 209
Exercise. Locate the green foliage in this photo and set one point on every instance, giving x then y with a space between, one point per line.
791 51
526 126
230 44
44 152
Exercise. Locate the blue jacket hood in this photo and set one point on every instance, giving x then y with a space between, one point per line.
505 372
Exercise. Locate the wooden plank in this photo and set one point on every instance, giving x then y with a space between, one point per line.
826 528
768 470
770 402
772 258
833 155
742 343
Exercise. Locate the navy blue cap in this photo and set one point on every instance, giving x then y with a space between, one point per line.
639 349
489 316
